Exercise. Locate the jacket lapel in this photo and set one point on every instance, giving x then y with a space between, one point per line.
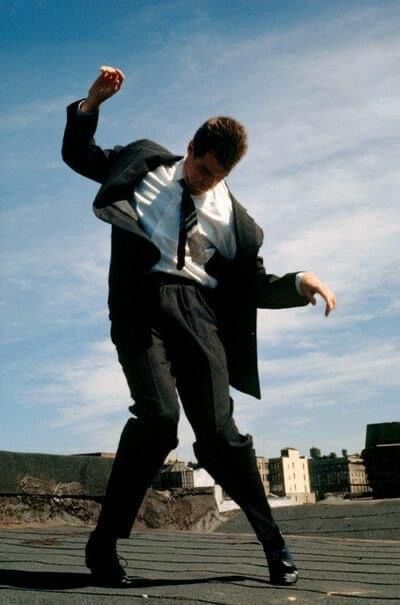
249 237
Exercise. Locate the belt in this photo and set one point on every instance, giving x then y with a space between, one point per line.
159 278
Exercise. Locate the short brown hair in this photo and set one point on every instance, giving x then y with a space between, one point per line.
225 137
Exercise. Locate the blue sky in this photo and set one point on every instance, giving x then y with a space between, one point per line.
316 83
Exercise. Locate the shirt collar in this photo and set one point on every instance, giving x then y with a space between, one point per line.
178 175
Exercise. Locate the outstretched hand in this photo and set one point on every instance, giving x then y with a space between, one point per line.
105 86
310 285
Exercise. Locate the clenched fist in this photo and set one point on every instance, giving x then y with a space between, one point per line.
105 86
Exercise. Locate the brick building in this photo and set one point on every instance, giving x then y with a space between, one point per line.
262 465
337 474
289 476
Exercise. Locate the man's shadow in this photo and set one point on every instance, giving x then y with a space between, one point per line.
55 580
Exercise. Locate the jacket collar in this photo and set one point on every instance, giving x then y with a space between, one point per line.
130 166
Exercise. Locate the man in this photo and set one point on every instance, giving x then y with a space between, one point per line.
185 282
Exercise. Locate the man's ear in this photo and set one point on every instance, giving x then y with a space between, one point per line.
190 147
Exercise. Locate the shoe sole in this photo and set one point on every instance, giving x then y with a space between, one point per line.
282 582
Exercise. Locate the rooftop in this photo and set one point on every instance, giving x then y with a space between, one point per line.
45 565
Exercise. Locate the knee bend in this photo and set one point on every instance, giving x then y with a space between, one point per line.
163 428
229 436
223 443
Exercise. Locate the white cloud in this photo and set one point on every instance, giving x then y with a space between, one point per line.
315 378
90 396
359 249
323 397
32 113
89 385
54 276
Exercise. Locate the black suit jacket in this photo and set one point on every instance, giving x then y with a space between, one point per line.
243 284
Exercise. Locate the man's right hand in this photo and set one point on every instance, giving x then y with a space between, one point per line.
105 86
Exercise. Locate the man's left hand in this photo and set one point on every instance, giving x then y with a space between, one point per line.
310 285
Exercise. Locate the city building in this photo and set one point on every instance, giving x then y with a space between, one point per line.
289 476
176 474
381 457
262 465
334 474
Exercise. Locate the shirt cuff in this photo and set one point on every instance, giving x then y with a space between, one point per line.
80 112
298 280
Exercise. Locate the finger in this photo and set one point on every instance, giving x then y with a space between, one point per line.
119 82
112 72
114 77
108 73
121 73
107 68
328 309
312 300
330 305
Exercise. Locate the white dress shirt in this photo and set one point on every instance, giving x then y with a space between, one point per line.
157 201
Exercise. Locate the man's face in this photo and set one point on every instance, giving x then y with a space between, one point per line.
202 173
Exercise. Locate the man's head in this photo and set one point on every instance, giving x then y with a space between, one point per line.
216 147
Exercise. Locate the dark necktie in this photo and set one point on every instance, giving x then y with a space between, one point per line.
189 230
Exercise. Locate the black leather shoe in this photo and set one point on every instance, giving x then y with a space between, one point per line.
282 570
102 559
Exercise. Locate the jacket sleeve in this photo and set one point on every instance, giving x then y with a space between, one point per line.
273 292
79 149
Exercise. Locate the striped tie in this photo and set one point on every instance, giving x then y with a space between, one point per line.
189 230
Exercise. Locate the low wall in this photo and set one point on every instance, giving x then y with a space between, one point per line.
25 473
46 488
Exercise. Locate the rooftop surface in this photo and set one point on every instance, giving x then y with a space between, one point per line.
337 518
46 566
